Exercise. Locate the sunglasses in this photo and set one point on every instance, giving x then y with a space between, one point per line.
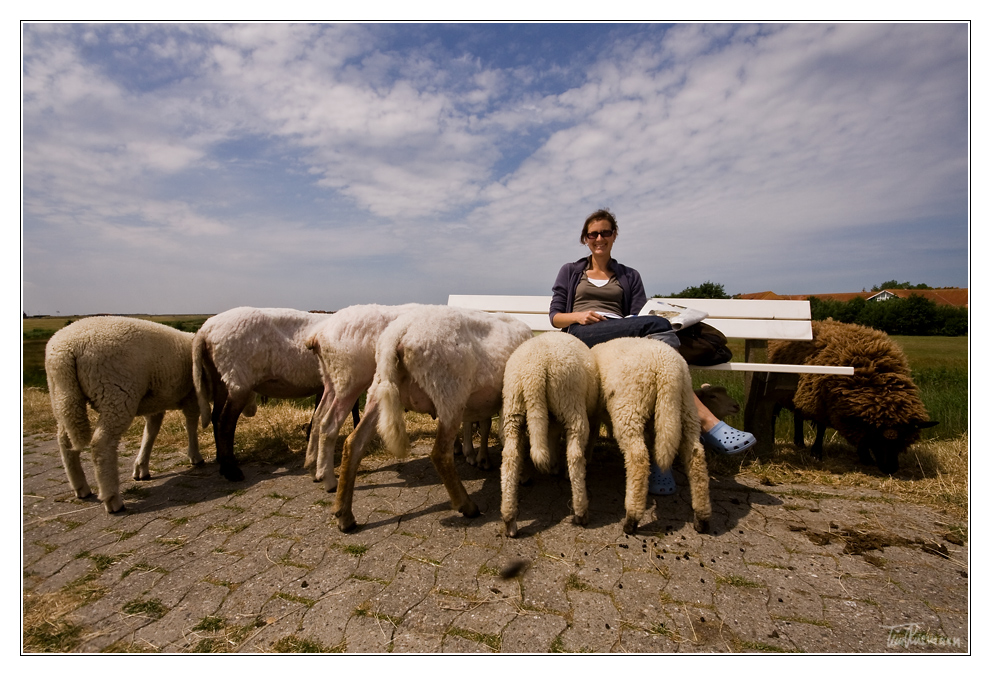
601 233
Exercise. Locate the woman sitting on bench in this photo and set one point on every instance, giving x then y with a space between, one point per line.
593 300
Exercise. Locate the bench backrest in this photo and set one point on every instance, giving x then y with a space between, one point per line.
736 318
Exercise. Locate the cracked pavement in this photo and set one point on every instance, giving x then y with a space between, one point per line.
198 564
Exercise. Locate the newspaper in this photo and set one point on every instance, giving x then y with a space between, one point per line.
679 316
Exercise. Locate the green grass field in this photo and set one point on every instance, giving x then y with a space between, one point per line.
939 367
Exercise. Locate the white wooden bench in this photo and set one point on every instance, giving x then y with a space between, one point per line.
755 321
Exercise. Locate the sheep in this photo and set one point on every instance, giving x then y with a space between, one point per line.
249 350
123 368
717 400
645 384
344 345
555 375
878 409
436 359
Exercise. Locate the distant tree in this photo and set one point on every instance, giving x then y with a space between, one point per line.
895 284
705 290
912 316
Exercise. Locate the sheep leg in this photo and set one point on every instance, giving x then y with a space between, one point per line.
637 460
693 457
510 473
224 436
799 430
191 412
104 448
73 466
467 444
354 450
482 457
330 428
817 444
313 416
153 423
442 456
577 439
317 423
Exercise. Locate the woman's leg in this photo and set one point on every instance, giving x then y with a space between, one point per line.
628 327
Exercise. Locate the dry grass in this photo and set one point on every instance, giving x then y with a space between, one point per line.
934 472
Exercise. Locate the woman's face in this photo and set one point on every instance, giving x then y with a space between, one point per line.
597 240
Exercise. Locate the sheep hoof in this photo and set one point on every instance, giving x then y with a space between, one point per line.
511 528
330 484
630 525
83 492
114 505
231 472
484 464
198 463
582 520
701 525
142 476
346 522
470 510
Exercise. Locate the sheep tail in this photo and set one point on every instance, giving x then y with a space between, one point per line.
391 423
201 380
68 400
535 396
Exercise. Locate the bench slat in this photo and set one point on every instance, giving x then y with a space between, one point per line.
777 368
762 329
508 304
736 308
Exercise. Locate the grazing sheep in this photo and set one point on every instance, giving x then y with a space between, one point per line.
245 351
877 409
436 359
717 400
122 367
645 384
552 375
344 344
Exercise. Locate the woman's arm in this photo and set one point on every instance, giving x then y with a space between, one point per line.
563 320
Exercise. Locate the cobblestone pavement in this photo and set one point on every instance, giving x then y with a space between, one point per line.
199 564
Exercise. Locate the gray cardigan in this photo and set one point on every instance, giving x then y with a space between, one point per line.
570 274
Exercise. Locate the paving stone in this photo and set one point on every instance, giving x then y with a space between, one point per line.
596 625
201 601
531 632
266 558
328 618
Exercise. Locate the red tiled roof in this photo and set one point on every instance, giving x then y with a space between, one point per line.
956 297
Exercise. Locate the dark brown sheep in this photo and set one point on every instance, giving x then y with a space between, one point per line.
877 409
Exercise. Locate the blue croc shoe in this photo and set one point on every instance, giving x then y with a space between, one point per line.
661 483
727 440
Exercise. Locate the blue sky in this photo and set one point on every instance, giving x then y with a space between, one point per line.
195 168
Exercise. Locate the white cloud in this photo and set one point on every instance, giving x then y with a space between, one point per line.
156 138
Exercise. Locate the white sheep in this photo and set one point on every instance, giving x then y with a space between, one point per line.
249 350
645 384
436 359
555 375
344 344
123 368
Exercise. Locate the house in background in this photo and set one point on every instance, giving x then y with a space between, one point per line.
956 297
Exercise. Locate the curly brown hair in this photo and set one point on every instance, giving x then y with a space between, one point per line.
600 215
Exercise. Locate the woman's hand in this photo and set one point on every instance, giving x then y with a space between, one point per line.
586 318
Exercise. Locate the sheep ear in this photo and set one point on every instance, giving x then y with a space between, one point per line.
927 423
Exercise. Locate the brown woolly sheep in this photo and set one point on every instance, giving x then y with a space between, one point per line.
877 409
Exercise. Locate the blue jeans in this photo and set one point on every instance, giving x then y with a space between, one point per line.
629 327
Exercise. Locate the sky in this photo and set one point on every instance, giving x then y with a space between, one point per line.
192 168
